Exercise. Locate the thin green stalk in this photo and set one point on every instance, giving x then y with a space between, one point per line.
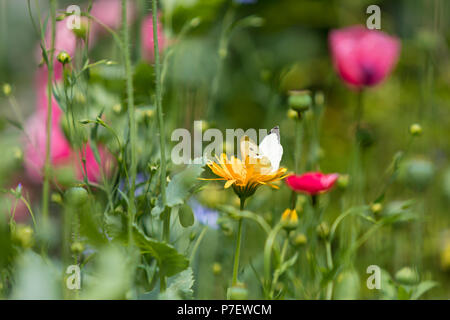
166 226
330 267
268 252
359 109
131 119
47 164
197 244
237 251
298 142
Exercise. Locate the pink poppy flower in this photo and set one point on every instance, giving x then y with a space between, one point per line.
312 183
41 92
148 50
109 12
61 153
363 57
35 146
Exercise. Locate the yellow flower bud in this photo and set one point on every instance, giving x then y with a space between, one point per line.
289 219
217 268
292 114
299 239
64 57
376 207
24 236
77 247
7 89
323 230
415 129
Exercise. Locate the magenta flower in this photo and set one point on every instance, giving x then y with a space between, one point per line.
312 183
61 153
109 12
35 146
363 57
148 51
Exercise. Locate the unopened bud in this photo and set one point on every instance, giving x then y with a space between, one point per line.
24 236
299 239
415 129
77 247
64 57
289 219
292 114
7 89
343 180
323 230
300 100
407 276
376 207
217 268
237 292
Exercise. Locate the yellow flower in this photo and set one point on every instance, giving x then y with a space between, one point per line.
245 176
289 219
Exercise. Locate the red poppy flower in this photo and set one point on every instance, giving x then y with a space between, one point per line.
363 57
312 183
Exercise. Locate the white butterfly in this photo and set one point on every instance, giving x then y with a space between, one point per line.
269 152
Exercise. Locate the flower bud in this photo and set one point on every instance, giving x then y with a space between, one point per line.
56 198
18 154
289 219
323 230
76 196
445 257
24 236
298 239
300 100
407 276
7 89
77 247
237 292
217 268
64 57
376 207
415 129
343 181
319 98
117 108
418 173
292 114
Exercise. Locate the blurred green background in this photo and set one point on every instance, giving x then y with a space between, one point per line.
244 83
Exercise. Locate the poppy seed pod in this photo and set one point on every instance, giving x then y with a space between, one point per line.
237 292
300 100
407 276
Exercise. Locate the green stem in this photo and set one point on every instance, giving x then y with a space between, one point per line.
298 142
330 267
47 164
237 251
268 252
166 226
359 109
131 119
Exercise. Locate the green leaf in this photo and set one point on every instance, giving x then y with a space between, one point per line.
116 225
423 287
94 132
180 287
186 216
181 185
170 261
403 294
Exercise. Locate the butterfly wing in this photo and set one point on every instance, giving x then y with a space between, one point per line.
272 149
249 148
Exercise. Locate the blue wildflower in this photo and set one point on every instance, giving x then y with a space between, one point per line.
204 215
